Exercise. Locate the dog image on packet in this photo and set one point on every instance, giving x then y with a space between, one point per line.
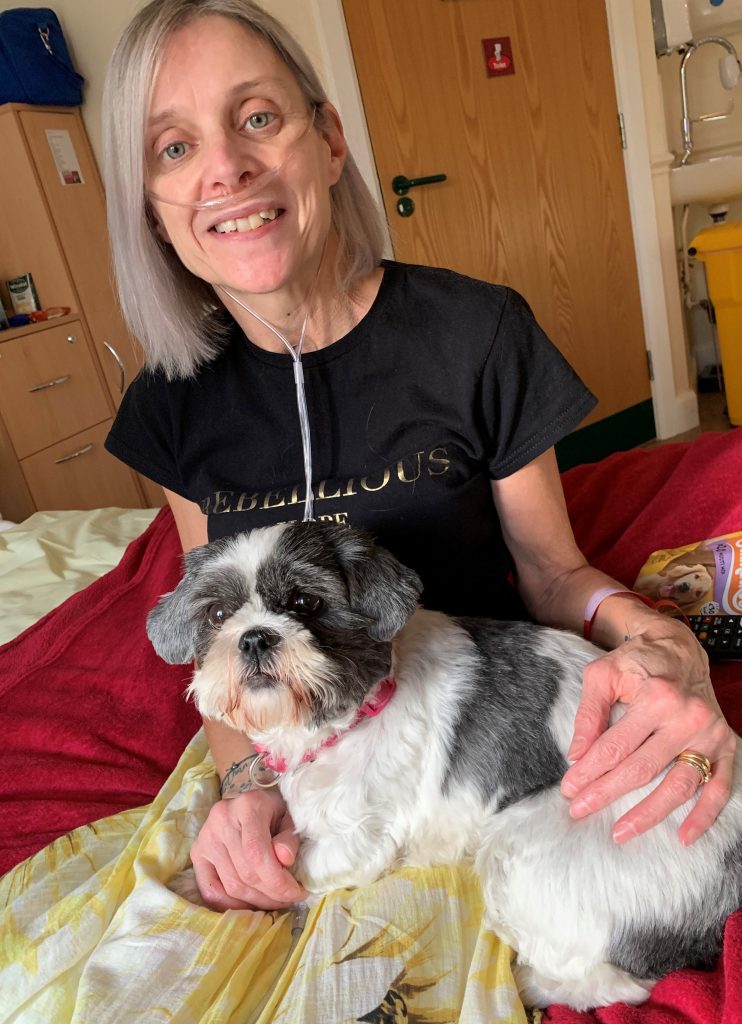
703 578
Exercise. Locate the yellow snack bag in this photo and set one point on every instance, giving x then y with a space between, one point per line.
703 578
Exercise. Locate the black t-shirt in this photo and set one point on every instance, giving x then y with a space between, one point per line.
445 384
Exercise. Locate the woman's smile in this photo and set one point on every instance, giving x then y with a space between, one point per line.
247 223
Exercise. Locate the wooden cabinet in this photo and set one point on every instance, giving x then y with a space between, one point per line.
60 381
49 387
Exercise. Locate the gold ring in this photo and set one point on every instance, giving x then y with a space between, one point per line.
699 762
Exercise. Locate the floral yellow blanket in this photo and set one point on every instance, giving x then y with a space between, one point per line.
92 935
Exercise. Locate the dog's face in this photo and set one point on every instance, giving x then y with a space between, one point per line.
688 584
291 624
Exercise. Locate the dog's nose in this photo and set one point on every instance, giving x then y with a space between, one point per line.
258 641
684 588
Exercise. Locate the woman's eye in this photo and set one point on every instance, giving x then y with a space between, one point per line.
304 604
174 151
262 120
216 615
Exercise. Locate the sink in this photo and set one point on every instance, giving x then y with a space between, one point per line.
714 180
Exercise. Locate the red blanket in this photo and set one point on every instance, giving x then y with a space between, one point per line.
93 721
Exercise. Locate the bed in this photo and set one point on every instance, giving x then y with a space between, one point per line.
106 778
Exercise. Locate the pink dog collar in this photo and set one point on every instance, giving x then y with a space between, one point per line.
370 709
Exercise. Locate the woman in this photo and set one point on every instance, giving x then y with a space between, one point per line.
241 228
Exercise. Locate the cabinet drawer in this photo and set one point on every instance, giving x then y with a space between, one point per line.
49 388
79 473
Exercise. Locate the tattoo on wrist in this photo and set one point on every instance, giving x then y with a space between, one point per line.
237 777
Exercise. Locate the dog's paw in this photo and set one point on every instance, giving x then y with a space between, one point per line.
184 884
333 863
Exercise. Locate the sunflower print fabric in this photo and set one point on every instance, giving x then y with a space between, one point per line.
92 935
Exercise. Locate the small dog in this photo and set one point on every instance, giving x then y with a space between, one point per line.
407 737
686 585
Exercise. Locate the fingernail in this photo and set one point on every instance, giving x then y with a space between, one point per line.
689 836
579 809
623 832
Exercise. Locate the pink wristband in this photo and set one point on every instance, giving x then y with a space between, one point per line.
596 600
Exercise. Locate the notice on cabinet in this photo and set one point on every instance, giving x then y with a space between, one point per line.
65 157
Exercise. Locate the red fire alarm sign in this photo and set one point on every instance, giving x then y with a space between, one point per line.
498 57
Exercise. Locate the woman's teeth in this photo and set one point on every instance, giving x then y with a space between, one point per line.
242 224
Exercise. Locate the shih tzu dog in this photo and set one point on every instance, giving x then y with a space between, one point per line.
406 737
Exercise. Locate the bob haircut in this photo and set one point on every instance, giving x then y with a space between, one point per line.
175 315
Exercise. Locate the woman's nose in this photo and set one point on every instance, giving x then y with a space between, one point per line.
230 162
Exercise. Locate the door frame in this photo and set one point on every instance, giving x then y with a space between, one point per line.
675 411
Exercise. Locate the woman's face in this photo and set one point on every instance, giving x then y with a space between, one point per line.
218 97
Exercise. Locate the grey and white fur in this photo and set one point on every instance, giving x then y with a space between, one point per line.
294 626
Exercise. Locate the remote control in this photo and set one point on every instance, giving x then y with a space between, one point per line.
719 635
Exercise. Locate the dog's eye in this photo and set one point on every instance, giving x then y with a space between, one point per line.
216 615
304 604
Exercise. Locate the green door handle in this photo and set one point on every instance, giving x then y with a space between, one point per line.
402 185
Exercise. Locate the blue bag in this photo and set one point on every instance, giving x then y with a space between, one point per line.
35 65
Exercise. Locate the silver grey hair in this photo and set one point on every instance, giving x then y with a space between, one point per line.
175 315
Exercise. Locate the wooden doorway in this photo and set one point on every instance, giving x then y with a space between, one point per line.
535 195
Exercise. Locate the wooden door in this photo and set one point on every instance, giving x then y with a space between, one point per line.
535 195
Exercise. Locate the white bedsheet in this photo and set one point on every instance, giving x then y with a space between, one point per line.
52 555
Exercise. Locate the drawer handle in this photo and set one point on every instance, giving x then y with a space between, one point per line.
49 384
75 455
122 368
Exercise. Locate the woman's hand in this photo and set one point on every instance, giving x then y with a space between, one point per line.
243 851
662 675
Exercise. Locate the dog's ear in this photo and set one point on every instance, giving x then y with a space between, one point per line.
379 587
171 625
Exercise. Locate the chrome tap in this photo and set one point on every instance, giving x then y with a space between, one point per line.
686 122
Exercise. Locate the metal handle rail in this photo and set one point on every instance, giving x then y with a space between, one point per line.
75 455
49 384
122 368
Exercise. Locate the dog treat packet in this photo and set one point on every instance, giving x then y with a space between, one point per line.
703 578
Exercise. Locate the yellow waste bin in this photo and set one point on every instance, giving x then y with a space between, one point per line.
720 249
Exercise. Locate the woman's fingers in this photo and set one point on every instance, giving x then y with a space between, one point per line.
671 707
635 751
715 794
286 841
212 891
608 750
591 721
255 855
679 785
234 857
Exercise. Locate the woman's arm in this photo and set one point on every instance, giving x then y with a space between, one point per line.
192 524
242 853
655 665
